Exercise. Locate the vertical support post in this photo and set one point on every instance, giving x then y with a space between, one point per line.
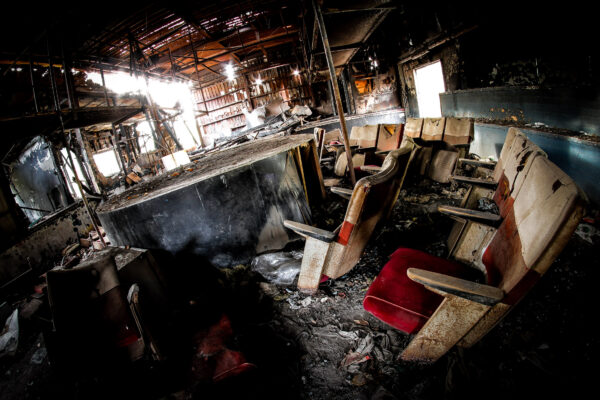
344 83
35 103
353 91
89 159
52 81
82 167
331 98
157 144
63 177
118 148
104 87
85 202
69 84
124 134
247 89
336 89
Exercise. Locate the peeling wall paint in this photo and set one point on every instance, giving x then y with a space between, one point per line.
383 96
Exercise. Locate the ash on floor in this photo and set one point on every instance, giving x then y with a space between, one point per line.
325 346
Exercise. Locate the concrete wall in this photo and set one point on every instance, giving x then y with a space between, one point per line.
44 242
579 159
565 108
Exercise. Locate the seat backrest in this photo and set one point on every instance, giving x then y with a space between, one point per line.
442 164
538 224
373 197
433 129
413 127
389 136
515 167
364 136
459 131
510 137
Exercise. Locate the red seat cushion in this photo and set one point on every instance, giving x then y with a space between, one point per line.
402 303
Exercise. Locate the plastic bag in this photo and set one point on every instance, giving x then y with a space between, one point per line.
9 336
279 268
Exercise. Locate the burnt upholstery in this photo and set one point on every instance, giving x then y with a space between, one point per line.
410 305
512 257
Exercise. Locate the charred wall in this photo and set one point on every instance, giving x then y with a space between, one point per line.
533 64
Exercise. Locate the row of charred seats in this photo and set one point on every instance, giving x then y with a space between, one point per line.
493 261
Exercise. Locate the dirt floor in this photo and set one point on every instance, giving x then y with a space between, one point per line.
326 346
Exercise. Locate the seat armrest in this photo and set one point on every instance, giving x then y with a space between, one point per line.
474 181
470 214
372 169
310 231
365 149
345 193
478 163
444 284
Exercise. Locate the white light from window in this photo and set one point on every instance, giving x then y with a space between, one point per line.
230 72
296 72
258 81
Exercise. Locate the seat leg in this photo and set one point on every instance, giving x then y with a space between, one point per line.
450 322
313 263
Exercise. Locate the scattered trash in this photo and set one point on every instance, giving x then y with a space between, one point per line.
587 232
9 337
279 268
485 204
405 225
39 356
348 335
458 194
361 322
359 380
420 199
301 111
361 354
306 302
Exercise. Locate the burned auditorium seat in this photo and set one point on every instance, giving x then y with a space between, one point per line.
334 253
434 298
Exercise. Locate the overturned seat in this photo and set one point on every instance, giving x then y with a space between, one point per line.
334 253
435 298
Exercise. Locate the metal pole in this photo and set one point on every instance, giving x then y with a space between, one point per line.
52 81
336 89
118 149
104 87
35 103
86 159
85 202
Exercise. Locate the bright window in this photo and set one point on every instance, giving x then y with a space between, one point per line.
429 81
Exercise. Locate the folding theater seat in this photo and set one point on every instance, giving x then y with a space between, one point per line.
413 128
516 162
363 141
334 253
458 134
434 297
498 167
